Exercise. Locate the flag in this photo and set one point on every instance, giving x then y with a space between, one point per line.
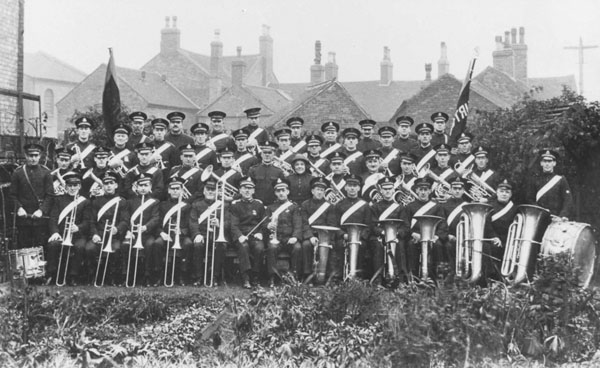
459 122
111 99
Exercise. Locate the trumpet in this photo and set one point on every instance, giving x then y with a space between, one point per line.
228 189
138 245
174 227
428 225
107 236
67 242
283 165
469 241
351 250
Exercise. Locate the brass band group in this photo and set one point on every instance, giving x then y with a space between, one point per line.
386 204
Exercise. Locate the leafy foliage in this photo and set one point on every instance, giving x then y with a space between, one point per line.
99 134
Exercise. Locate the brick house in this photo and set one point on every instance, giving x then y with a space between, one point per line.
10 23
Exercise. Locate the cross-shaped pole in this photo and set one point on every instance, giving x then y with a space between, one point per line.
580 48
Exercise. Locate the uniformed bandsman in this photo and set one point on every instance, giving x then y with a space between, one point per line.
372 175
265 173
354 161
482 169
453 207
407 165
82 158
367 142
219 137
205 153
226 172
188 173
31 191
296 124
390 155
330 130
63 207
63 165
246 216
122 158
284 151
549 190
284 227
165 154
300 179
320 165
424 152
244 159
144 157
138 121
256 134
91 182
176 134
464 154
443 170
405 141
439 136
338 171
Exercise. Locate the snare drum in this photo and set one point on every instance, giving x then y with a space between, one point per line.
576 238
28 263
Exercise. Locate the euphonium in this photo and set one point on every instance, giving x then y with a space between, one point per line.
523 235
479 188
283 165
469 241
107 236
67 242
442 187
351 250
427 225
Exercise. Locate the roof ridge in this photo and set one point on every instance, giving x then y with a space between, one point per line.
59 61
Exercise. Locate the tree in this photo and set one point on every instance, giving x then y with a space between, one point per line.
99 135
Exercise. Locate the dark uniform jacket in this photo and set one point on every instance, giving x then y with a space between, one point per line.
150 216
97 225
91 176
163 208
225 141
128 156
492 178
88 160
32 197
439 138
308 208
500 219
231 176
361 216
377 211
179 140
158 184
365 144
170 154
558 200
393 163
264 175
421 152
208 156
436 210
289 222
247 162
357 165
262 136
245 215
295 140
83 216
320 163
193 182
198 208
449 206
300 187
406 144
135 139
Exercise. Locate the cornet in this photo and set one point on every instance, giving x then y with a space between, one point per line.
67 242
60 185
138 245
80 161
117 165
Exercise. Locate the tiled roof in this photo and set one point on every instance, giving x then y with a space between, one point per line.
500 86
236 99
551 86
42 65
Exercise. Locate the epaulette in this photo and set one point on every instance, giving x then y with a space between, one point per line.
235 201
258 200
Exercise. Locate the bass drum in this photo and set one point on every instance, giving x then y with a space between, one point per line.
578 239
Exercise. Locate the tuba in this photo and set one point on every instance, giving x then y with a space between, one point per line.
351 250
323 247
427 225
390 238
469 241
523 235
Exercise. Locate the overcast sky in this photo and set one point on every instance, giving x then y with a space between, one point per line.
79 32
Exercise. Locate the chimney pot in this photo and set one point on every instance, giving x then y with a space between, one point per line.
506 39
239 51
167 21
386 53
521 35
513 36
174 21
266 30
217 34
428 72
331 57
499 45
318 53
386 68
443 63
331 68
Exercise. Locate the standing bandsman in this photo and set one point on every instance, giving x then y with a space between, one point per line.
316 211
63 164
103 213
219 137
165 153
285 231
330 131
424 152
313 154
284 151
550 190
91 182
82 147
354 161
390 155
296 125
246 215
407 165
144 157
205 154
366 141
439 136
204 216
176 134
464 149
300 179
32 191
226 171
63 207
122 157
143 217
265 173
244 159
189 175
138 120
482 169
337 176
405 142
256 133
167 232
370 189
443 170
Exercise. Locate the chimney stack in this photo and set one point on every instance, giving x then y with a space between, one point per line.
521 35
266 54
238 68
503 57
443 63
428 72
506 39
511 57
215 83
386 68
331 68
513 36
499 44
170 37
520 56
317 72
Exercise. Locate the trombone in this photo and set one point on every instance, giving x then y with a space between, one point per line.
107 249
173 227
138 245
67 242
209 281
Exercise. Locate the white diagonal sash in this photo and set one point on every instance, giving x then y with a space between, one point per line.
202 153
425 159
339 185
371 181
388 211
162 148
188 174
242 158
281 208
446 173
330 150
286 155
172 211
299 146
217 138
107 206
227 175
87 173
455 212
350 211
121 155
549 185
70 208
141 209
256 133
353 157
421 211
503 211
318 212
486 175
390 156
212 208
464 164
151 170
87 151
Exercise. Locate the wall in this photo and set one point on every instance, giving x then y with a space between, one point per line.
9 25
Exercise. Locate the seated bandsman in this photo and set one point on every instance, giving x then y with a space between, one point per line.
390 155
453 207
204 152
138 122
226 172
439 136
122 158
165 153
464 148
171 211
244 159
387 213
482 169
265 173
316 211
319 166
246 216
104 218
330 130
204 229
187 172
370 189
63 164
83 147
284 138
284 227
500 218
143 218
367 142
549 190
424 206
405 141
145 166
91 184
424 151
66 230
354 161
219 137
300 179
296 125
354 210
